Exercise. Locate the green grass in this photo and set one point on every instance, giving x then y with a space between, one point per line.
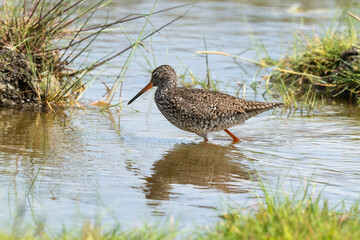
90 232
318 67
277 215
93 232
283 216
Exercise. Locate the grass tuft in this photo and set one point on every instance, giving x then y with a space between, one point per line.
41 43
326 66
34 30
283 216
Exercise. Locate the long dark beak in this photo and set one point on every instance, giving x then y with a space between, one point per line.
147 87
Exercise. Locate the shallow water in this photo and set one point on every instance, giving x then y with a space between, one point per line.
134 165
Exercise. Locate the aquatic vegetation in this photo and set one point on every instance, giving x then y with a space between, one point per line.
44 47
321 66
33 31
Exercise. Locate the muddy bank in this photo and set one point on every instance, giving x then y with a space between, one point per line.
16 80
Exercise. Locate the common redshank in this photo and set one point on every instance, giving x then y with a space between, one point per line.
197 110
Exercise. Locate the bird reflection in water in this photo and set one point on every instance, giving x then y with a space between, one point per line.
203 165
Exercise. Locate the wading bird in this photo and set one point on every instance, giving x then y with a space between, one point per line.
197 110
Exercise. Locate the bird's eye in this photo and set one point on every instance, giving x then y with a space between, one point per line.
155 75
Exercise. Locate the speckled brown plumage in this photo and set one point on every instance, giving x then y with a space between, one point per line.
197 110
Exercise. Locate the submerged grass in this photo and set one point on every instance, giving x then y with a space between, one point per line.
302 215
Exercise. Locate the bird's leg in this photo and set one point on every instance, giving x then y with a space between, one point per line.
235 139
204 136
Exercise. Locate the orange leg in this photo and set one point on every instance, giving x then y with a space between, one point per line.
204 136
235 139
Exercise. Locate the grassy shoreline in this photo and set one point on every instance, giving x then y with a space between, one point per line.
300 215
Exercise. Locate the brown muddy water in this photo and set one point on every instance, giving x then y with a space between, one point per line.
134 166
